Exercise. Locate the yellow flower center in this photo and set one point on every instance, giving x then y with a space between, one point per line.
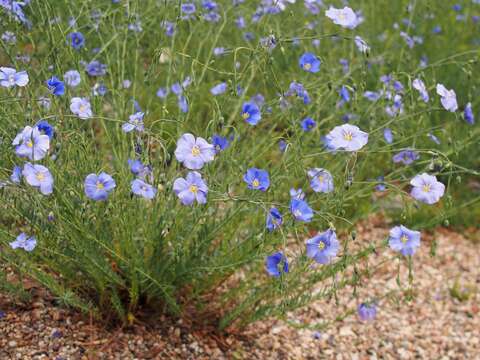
82 108
245 115
193 188
195 150
321 245
342 17
100 185
320 178
307 66
40 176
404 239
255 183
426 188
347 135
297 213
30 143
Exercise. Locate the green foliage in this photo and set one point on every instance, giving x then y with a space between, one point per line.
113 257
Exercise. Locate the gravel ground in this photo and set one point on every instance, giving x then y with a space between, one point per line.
441 322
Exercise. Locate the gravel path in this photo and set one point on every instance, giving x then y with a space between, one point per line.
441 322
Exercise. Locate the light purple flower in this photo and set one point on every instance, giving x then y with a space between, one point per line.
420 87
387 135
9 77
135 122
367 312
72 78
404 240
361 44
97 187
448 98
16 176
406 157
427 189
141 188
297 194
372 95
38 176
31 144
81 107
162 92
345 17
140 170
347 137
321 180
191 189
25 242
323 247
218 89
194 153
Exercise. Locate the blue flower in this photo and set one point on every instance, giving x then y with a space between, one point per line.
191 189
99 89
77 40
367 312
140 170
323 247
16 176
25 242
372 95
274 219
298 90
308 124
276 264
96 68
297 193
321 180
300 210
257 179
251 113
141 188
97 187
188 8
344 94
135 122
55 86
468 114
183 104
381 185
310 62
404 240
45 128
220 143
